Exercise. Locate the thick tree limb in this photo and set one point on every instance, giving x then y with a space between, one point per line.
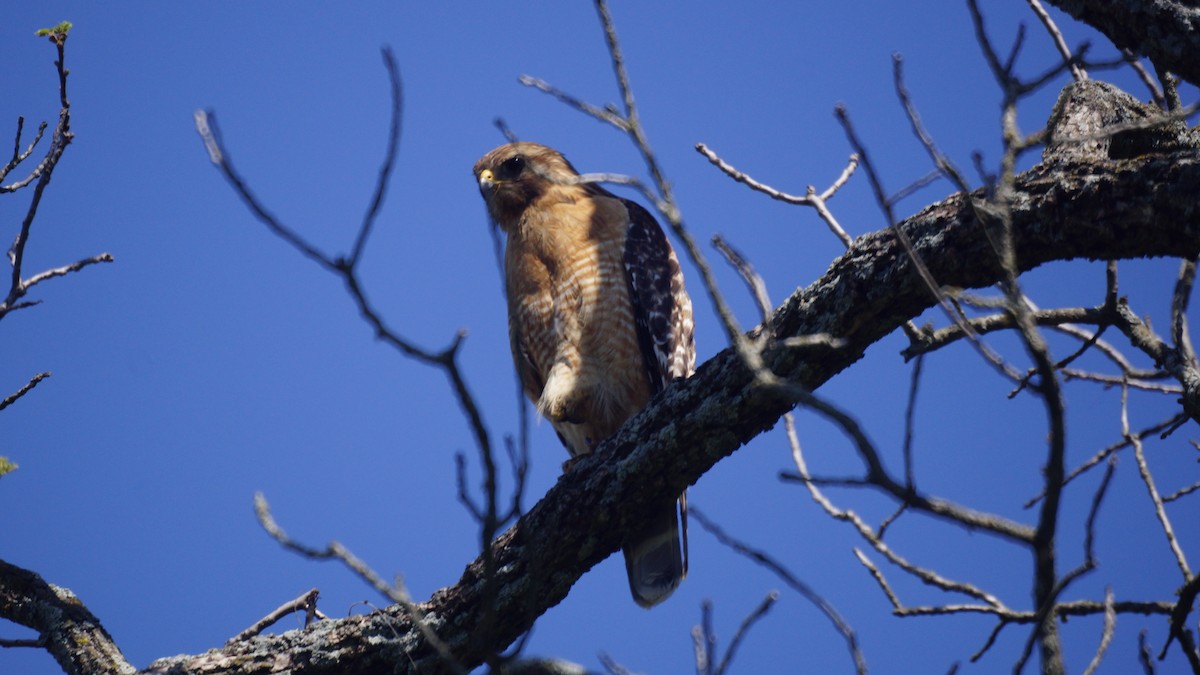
1139 207
72 635
1168 31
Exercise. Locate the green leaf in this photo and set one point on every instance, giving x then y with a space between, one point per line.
60 29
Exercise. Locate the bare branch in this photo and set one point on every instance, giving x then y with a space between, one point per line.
1182 492
1144 656
910 424
1110 623
603 114
396 593
940 160
919 265
1179 630
9 644
878 477
1105 453
811 198
704 640
1182 294
1077 70
748 622
754 282
20 156
1159 511
915 186
502 126
926 576
1170 359
344 268
306 603
1146 78
932 341
792 581
210 134
67 269
389 161
61 138
28 387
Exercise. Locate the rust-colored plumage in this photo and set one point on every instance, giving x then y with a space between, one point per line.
598 319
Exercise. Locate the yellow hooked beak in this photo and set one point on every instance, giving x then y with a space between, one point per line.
487 180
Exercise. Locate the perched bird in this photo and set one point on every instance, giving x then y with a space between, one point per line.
598 320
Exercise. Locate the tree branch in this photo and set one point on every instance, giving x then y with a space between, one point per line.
71 633
1168 31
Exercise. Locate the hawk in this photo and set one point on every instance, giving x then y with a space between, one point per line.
598 320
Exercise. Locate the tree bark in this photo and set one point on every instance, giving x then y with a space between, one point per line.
72 635
1099 209
1167 31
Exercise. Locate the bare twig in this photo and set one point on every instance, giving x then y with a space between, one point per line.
1180 298
67 269
20 156
307 603
502 126
1170 89
334 550
1178 627
878 477
1145 658
346 268
934 340
389 160
1146 78
1105 453
940 160
1077 70
612 666
1119 381
621 179
915 186
922 269
753 617
37 643
1159 511
59 141
754 282
910 424
210 134
33 382
1182 492
1110 623
603 114
792 581
879 579
704 640
991 640
811 198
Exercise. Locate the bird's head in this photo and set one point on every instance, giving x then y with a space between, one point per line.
515 175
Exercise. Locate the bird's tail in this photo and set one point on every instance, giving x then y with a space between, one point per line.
656 556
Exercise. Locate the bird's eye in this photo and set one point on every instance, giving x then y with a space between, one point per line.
512 167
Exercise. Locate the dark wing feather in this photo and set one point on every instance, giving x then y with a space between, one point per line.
656 554
662 310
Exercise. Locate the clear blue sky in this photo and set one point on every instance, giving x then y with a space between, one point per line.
212 361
